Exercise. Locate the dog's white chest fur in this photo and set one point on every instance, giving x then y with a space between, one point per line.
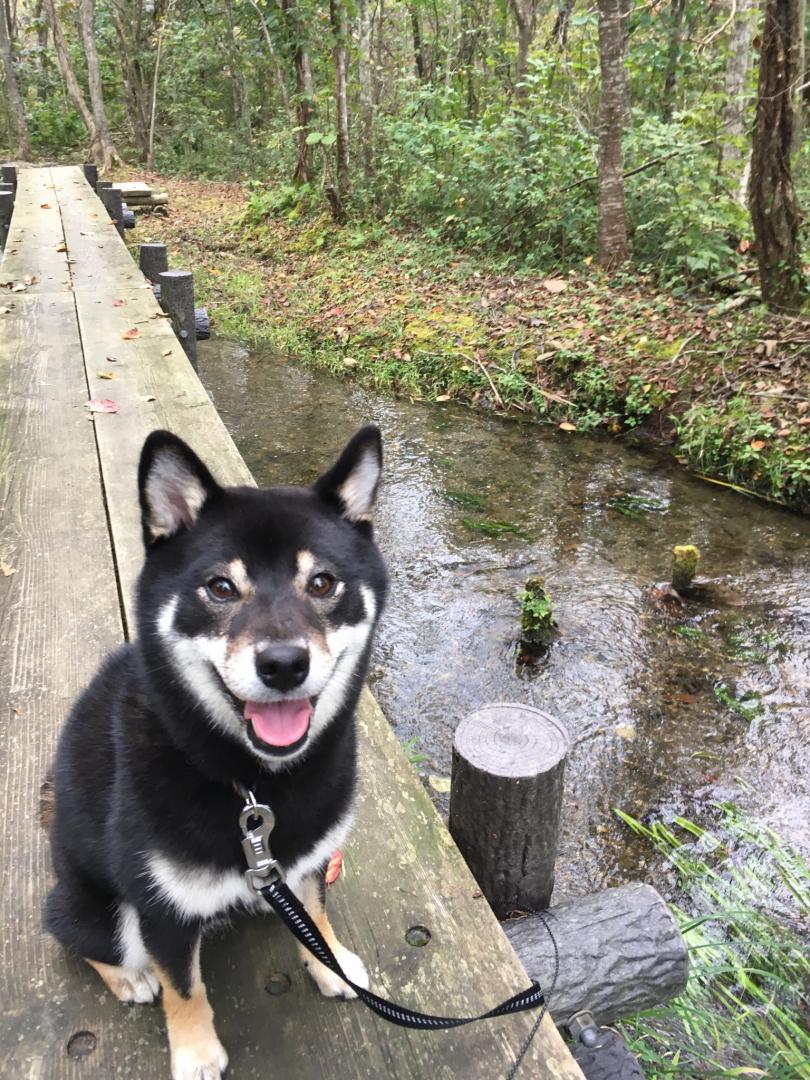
200 892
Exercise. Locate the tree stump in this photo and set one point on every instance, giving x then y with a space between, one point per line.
620 952
505 798
177 300
153 260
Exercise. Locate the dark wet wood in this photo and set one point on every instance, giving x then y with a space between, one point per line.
63 612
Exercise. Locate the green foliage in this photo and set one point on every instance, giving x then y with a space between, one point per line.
744 898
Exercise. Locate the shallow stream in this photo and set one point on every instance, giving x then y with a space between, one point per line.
668 710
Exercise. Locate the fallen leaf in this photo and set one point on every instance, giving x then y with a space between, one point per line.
111 359
118 303
333 868
757 444
149 397
440 784
444 397
6 310
44 206
625 731
565 426
167 352
102 405
104 375
555 285
7 570
770 346
130 334
350 362
160 315
783 432
19 287
62 246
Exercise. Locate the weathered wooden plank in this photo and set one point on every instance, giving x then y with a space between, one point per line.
402 868
35 238
59 614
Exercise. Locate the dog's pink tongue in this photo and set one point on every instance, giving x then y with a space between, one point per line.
279 723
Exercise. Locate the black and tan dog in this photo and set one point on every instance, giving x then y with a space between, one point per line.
256 610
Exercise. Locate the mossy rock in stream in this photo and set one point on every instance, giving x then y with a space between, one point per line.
537 622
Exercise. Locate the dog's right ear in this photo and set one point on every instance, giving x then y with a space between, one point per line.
173 485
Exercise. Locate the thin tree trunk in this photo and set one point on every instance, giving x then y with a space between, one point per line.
134 89
337 16
379 51
239 91
739 58
612 245
365 78
12 87
525 12
280 80
150 156
71 83
87 30
42 43
466 59
772 197
675 34
559 32
304 92
418 54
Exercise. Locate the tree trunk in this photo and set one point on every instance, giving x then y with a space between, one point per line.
365 78
772 197
739 57
71 83
87 30
525 12
241 105
612 246
559 32
379 49
418 55
304 92
337 16
280 80
12 87
135 92
675 34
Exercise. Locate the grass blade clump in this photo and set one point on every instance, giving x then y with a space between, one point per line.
745 913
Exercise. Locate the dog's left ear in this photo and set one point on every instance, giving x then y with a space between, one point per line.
351 483
173 485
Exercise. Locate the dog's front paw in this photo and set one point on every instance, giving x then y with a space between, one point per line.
205 1062
331 985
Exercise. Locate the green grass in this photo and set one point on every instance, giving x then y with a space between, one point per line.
744 911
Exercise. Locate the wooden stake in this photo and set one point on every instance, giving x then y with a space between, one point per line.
91 174
505 799
6 210
177 300
153 260
9 175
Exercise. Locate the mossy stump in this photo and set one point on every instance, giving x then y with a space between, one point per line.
685 560
537 622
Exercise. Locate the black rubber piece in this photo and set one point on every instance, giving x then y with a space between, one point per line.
609 1059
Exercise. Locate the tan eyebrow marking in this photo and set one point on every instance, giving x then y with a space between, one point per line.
240 577
305 562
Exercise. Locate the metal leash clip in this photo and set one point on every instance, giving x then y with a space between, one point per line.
263 869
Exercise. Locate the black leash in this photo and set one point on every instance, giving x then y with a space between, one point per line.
266 876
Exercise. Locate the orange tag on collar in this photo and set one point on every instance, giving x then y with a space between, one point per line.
333 868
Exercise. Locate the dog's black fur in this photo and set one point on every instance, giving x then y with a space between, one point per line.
141 767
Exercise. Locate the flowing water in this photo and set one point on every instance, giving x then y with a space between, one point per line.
668 709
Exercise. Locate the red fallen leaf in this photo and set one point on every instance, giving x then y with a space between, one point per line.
118 303
334 868
133 332
102 405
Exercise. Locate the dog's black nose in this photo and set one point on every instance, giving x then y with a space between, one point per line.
282 667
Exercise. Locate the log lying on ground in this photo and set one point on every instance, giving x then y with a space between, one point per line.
620 952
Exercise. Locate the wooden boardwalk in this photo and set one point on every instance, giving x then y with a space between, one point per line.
70 549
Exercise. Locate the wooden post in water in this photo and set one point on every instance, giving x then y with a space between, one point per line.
8 173
153 260
6 210
91 174
505 799
177 300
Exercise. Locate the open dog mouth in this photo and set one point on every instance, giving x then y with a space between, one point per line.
280 726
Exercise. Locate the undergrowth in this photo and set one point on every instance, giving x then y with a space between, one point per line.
744 910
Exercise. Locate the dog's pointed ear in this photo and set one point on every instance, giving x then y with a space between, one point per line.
351 484
173 485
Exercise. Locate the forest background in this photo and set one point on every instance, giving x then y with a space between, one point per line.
587 213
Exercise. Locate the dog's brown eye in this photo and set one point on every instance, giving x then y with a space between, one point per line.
321 585
221 588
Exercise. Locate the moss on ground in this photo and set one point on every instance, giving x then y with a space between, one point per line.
725 385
